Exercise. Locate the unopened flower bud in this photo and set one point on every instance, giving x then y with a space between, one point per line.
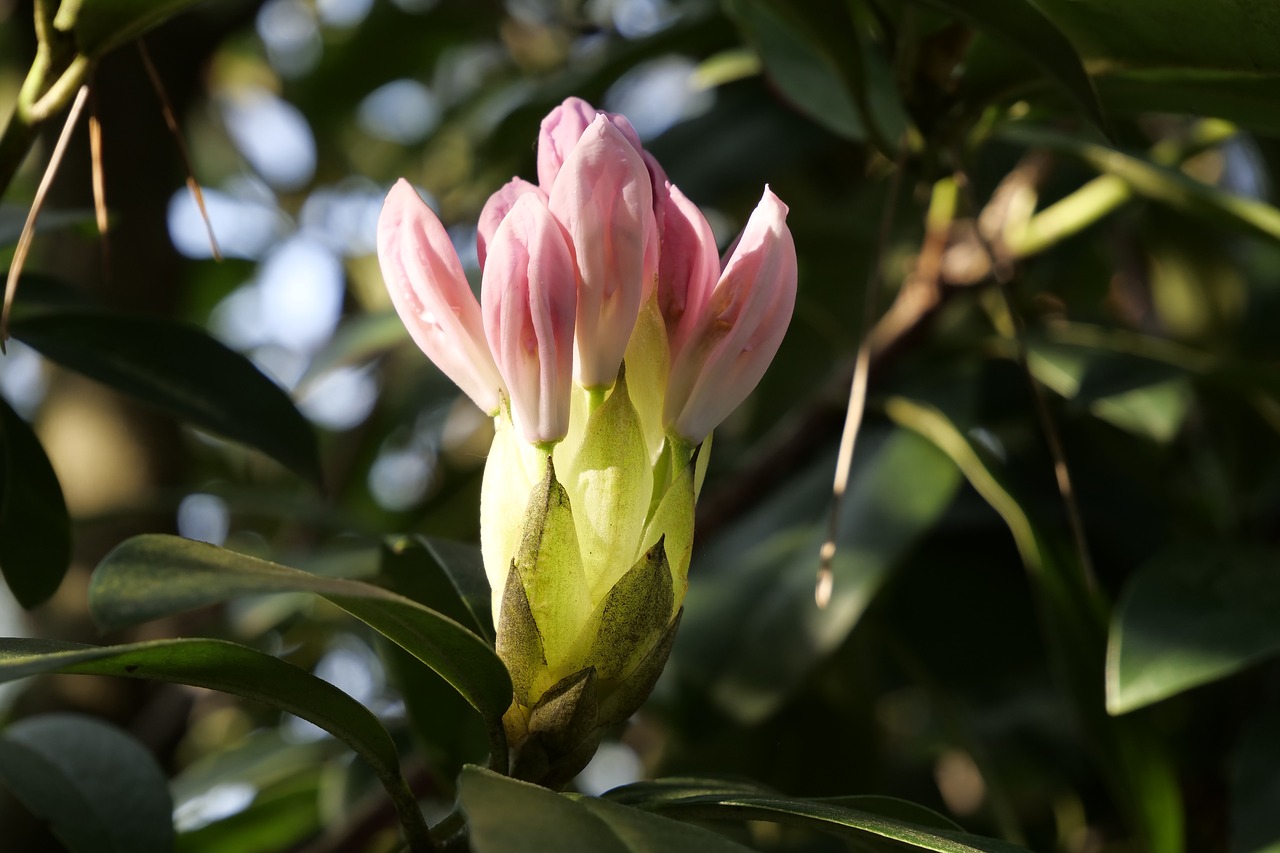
736 332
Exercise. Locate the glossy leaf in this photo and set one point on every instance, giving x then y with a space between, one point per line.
35 532
99 789
229 668
1192 615
178 369
154 575
509 816
850 818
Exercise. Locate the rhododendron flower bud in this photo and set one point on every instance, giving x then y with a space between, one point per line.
736 332
603 198
431 294
528 294
496 209
561 130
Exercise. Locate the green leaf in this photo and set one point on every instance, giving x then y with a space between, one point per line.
229 668
35 532
154 575
180 370
752 632
853 818
1225 35
100 790
444 575
1022 26
508 816
1159 183
1192 615
809 76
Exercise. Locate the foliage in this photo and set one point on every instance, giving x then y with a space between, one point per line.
1045 227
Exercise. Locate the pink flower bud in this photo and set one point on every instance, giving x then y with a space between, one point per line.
496 208
561 130
690 264
603 198
431 294
736 333
528 293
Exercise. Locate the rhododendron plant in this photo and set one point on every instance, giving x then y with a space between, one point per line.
608 343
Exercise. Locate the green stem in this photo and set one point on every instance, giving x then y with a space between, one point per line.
406 805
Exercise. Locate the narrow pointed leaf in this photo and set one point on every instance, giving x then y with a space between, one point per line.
702 801
178 369
153 575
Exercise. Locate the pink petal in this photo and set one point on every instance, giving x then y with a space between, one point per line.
529 297
603 198
497 207
431 295
737 332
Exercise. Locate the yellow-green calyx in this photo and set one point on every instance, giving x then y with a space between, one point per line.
587 550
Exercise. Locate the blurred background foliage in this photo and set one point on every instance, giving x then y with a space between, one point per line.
1069 204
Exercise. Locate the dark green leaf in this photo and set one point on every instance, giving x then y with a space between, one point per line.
445 575
804 70
179 369
1022 26
35 532
508 816
150 576
100 790
229 668
1192 615
853 818
1255 786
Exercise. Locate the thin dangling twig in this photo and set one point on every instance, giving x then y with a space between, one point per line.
172 122
29 228
858 388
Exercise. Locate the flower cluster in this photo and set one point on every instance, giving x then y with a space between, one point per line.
608 342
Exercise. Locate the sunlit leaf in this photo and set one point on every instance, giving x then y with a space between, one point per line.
153 575
100 790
